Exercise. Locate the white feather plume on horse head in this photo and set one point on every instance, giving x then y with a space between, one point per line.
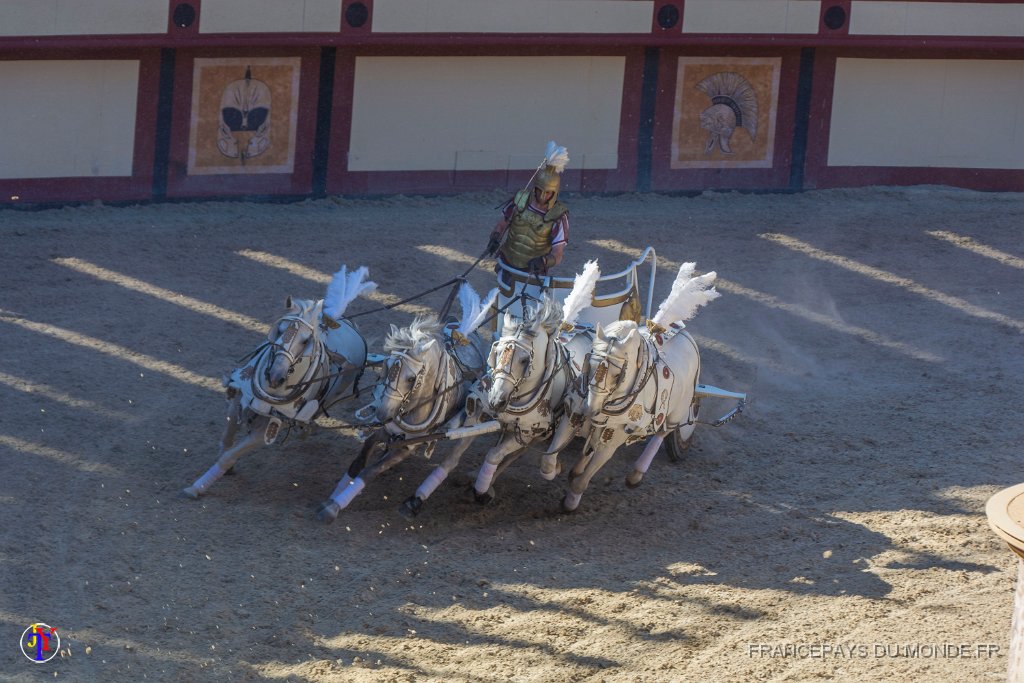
687 295
344 288
582 292
556 157
474 312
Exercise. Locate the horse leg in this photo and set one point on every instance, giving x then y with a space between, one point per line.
634 478
234 421
346 493
550 467
411 507
482 488
227 460
511 458
577 486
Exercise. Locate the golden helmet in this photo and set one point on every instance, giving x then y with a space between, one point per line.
546 180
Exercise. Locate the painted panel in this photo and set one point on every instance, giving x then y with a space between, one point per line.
478 113
244 114
751 16
75 17
725 111
270 16
512 16
936 18
928 113
70 118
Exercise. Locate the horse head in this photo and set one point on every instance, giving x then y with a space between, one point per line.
290 340
516 360
410 372
607 365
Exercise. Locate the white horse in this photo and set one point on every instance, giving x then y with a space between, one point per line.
640 382
422 392
532 370
311 358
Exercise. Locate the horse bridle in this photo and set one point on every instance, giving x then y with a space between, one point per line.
503 364
283 348
394 372
596 384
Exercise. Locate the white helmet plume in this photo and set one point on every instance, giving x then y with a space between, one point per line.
556 157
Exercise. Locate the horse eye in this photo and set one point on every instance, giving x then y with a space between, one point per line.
410 380
523 361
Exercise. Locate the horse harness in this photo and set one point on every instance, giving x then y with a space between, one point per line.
317 356
538 401
448 378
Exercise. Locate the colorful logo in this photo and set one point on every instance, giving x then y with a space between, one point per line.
40 643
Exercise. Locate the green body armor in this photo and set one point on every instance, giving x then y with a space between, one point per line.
529 233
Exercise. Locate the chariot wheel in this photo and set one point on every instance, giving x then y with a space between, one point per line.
681 439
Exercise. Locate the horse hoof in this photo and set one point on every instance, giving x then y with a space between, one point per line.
328 512
634 479
550 476
411 507
571 501
191 492
485 497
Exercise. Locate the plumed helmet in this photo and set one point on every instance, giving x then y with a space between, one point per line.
546 180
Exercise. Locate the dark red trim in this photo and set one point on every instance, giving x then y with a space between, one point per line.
991 179
189 31
111 188
820 117
675 30
366 28
40 47
843 30
339 181
665 178
298 182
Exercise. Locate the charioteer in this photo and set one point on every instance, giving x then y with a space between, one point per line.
534 228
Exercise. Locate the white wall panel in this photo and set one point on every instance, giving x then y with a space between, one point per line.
936 18
928 113
270 16
70 118
751 16
512 16
82 17
475 113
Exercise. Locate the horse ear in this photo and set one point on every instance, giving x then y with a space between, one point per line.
290 304
599 332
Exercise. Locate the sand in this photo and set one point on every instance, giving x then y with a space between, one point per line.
834 531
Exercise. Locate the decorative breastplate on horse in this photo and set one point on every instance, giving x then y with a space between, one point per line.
529 235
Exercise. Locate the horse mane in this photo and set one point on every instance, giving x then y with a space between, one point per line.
546 313
423 328
615 331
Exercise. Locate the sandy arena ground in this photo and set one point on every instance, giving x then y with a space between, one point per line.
879 333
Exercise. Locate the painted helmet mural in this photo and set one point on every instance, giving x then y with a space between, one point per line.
733 105
244 130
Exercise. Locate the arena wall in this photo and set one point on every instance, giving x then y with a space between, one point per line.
126 100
